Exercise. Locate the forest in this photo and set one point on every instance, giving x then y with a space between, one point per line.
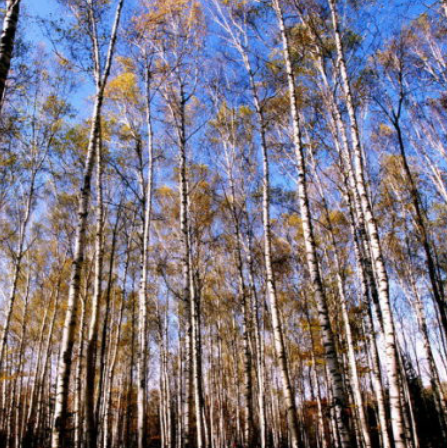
222 224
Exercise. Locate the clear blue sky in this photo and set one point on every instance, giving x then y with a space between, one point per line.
51 9
385 15
42 9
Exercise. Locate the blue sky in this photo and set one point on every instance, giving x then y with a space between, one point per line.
39 8
386 16
52 9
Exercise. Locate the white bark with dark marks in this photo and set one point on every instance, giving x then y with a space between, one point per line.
374 245
59 436
7 40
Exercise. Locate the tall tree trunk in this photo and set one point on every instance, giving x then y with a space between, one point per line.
352 364
40 346
189 290
79 399
64 368
59 435
92 341
420 220
270 280
105 347
340 401
18 402
7 39
356 224
244 300
107 431
142 294
42 376
375 246
260 360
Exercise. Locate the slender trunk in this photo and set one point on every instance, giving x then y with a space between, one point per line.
35 424
321 428
316 385
420 220
260 361
189 291
244 299
59 435
78 408
356 224
18 402
110 379
375 247
270 280
105 348
196 355
31 404
340 401
92 341
407 405
142 294
352 364
7 39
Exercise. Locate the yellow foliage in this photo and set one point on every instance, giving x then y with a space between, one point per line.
124 85
385 130
186 14
127 64
165 190
294 220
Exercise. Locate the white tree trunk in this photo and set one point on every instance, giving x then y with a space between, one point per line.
340 401
271 287
7 39
375 247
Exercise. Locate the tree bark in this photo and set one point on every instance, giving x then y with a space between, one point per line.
59 435
92 341
375 246
142 294
271 287
7 40
340 401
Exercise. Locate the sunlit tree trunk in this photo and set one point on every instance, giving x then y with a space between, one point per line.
18 402
17 263
245 302
360 414
92 341
356 225
78 380
108 428
260 360
59 436
271 288
143 292
340 401
375 246
7 40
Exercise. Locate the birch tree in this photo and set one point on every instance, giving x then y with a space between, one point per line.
101 73
7 40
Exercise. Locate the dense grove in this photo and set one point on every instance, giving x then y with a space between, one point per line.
223 224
